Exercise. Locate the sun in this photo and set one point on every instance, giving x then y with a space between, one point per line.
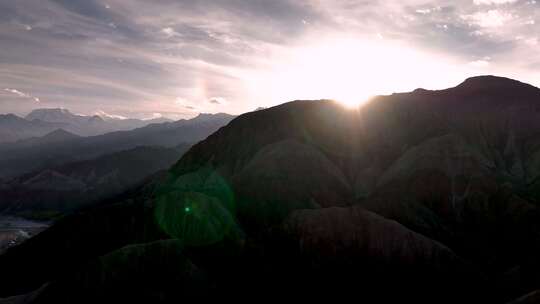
351 99
347 70
350 104
353 103
333 69
336 70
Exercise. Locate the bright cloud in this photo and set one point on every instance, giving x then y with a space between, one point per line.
489 19
423 11
169 32
218 100
106 115
491 2
480 63
22 94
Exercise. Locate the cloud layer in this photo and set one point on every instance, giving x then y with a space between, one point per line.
178 57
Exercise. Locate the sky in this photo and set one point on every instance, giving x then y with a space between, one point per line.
177 58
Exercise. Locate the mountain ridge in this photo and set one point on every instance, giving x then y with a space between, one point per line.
56 136
21 157
41 121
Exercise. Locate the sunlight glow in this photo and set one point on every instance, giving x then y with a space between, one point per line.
349 71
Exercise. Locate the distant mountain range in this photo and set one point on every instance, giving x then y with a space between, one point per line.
56 136
60 147
419 197
13 128
42 121
53 191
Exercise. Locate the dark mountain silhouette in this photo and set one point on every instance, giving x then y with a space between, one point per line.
19 158
427 196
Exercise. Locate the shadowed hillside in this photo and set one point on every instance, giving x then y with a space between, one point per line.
428 196
54 191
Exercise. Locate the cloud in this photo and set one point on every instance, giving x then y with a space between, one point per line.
489 19
218 100
532 41
22 94
106 115
16 92
186 104
482 63
169 32
153 116
134 58
424 11
492 2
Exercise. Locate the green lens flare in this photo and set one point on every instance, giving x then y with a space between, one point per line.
197 208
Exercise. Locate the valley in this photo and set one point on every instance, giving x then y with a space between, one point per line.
14 231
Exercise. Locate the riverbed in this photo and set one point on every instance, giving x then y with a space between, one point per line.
15 230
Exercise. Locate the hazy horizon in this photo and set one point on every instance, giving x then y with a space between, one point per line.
194 114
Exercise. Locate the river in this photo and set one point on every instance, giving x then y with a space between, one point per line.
15 230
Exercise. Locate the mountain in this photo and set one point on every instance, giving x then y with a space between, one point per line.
426 196
56 115
57 190
19 158
54 137
13 128
89 125
39 122
58 135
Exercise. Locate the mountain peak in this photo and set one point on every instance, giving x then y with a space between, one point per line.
203 115
50 114
210 116
96 118
9 116
51 110
60 134
489 82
